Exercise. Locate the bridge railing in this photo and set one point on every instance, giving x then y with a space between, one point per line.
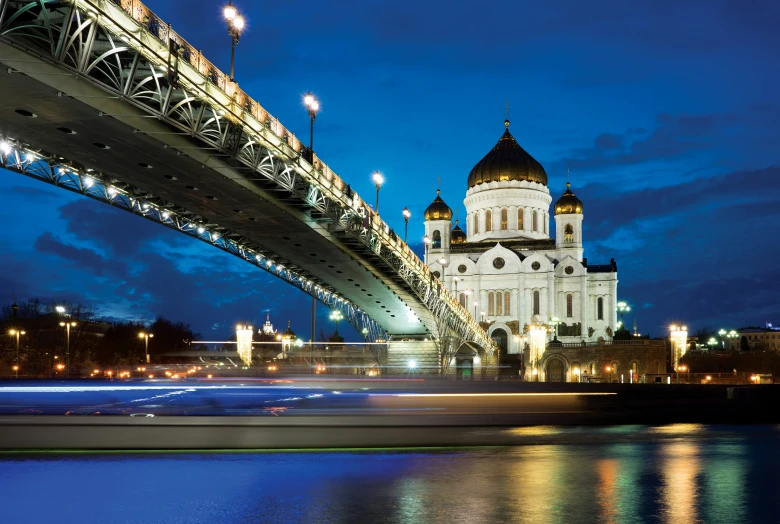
242 106
135 24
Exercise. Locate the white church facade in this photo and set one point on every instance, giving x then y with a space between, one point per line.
507 269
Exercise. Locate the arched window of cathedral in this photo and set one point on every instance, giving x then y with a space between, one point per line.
569 305
436 239
600 309
476 223
535 221
491 311
507 304
462 299
536 302
568 233
488 220
504 219
499 304
519 218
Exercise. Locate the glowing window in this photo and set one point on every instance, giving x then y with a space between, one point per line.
507 302
491 311
535 221
519 218
600 309
488 220
569 306
504 219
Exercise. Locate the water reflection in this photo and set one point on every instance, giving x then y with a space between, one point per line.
703 477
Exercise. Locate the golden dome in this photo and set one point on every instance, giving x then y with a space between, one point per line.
507 161
568 203
458 236
438 210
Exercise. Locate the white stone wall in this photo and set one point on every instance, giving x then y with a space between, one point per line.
514 196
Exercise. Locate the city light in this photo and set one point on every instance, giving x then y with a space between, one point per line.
378 181
412 364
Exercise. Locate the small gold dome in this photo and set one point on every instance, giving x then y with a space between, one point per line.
568 203
438 210
458 236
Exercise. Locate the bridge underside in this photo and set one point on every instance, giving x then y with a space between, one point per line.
128 145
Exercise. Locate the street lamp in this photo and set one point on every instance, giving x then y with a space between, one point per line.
682 368
475 308
336 316
146 337
722 334
378 181
235 23
608 369
312 106
443 264
622 308
407 216
455 280
67 326
732 334
427 242
555 321
17 333
16 370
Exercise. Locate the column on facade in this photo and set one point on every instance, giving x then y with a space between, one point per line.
553 310
584 310
613 305
512 218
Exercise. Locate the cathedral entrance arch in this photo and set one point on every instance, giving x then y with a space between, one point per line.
501 339
555 371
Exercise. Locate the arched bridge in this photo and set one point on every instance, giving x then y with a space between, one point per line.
103 98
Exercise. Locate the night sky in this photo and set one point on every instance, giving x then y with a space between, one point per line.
667 113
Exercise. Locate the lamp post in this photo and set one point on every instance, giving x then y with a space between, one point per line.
407 216
622 308
427 242
443 264
17 333
679 340
475 309
336 316
67 326
235 23
608 369
682 368
312 106
146 337
378 181
555 322
455 281
731 334
722 335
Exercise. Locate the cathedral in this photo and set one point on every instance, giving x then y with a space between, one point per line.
507 269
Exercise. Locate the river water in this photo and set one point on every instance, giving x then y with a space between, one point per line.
676 474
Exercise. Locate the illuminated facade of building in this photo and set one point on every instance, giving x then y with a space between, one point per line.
505 266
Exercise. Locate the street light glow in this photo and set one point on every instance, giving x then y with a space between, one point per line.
238 22
60 309
407 213
230 11
378 178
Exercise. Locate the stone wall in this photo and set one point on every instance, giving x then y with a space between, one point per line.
424 353
592 360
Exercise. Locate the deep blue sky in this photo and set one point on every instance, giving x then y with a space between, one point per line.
666 111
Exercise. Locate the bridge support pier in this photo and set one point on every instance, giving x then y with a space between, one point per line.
413 357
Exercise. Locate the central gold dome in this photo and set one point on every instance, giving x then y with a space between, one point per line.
507 161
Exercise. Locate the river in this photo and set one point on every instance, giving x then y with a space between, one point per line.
672 474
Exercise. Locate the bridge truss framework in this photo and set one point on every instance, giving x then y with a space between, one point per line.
121 47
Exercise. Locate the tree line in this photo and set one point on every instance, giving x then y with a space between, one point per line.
94 341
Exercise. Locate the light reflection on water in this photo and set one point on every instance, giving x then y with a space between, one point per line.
704 474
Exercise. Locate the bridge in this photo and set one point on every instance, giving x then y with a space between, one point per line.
102 98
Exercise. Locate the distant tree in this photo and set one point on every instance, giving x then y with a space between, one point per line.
622 334
170 336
